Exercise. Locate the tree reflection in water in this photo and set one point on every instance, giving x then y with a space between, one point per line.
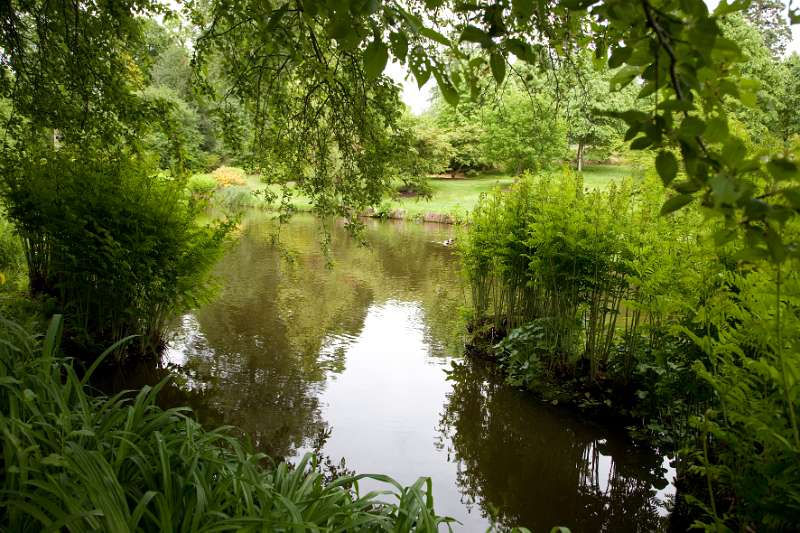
258 355
527 464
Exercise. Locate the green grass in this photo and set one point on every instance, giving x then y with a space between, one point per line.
456 197
599 176
72 461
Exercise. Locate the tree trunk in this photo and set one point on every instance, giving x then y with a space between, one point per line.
579 158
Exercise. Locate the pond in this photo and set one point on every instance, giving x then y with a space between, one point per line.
357 354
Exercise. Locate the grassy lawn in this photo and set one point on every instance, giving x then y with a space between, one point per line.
451 196
599 176
457 197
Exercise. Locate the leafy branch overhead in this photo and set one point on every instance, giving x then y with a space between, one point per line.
673 51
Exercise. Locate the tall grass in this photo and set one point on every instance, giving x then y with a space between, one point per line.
76 462
113 242
590 272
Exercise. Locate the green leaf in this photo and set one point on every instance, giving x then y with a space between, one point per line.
692 127
375 57
434 36
475 35
498 64
619 56
522 8
675 203
716 130
399 45
782 169
667 166
793 196
447 89
52 339
623 77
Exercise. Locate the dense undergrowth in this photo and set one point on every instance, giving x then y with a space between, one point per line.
591 297
115 246
74 461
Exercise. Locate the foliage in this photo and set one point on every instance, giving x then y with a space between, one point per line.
464 131
769 16
228 176
522 132
318 104
593 294
201 184
176 140
12 256
113 241
85 463
430 151
591 275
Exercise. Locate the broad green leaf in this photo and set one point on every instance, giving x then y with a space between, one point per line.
434 35
692 127
475 35
619 56
782 169
675 203
522 8
449 92
498 64
375 57
399 45
667 166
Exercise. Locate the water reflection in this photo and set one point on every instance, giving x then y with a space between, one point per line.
258 355
526 463
354 360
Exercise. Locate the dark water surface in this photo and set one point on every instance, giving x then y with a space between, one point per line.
363 362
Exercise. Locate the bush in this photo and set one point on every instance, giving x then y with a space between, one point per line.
598 300
236 198
12 257
114 242
229 176
81 463
419 187
597 285
201 184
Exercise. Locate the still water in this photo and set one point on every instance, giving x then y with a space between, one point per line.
358 355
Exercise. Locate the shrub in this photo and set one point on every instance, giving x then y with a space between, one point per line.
695 341
201 184
12 257
599 284
236 198
229 176
87 463
419 187
113 241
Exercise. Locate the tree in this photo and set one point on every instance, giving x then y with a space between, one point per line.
522 131
769 16
588 102
316 97
109 236
464 129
